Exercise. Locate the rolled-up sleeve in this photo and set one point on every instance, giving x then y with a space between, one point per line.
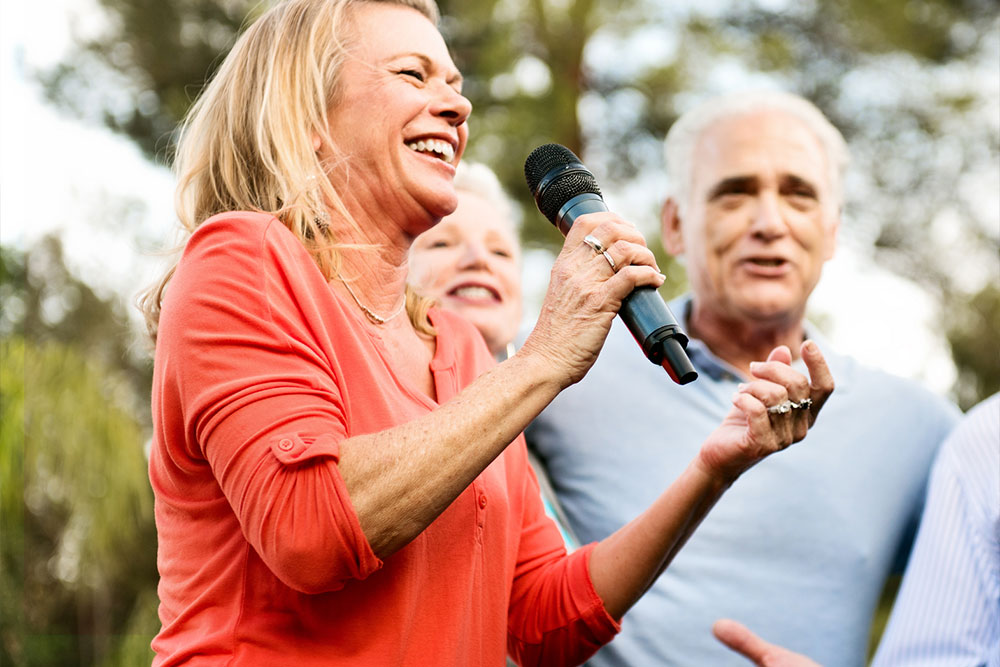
260 403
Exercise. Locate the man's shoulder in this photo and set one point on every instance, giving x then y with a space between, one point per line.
898 411
870 380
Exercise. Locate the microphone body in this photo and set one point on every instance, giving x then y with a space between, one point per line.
564 190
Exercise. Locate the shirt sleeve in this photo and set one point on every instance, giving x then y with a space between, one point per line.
261 405
555 615
948 608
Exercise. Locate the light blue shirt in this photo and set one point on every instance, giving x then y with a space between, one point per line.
947 613
798 549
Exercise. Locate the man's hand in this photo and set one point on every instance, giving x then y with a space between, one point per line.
739 638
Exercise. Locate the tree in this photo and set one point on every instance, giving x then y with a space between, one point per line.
74 495
901 78
43 301
75 499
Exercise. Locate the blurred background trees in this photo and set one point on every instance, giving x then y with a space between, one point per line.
913 84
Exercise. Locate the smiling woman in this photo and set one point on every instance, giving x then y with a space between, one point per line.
471 261
337 483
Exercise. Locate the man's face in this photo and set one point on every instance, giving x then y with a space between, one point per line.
760 220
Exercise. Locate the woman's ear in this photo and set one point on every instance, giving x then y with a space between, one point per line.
670 228
316 141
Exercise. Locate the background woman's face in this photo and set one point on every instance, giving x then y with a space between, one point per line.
470 261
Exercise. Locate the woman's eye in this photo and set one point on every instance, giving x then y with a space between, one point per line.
502 253
419 76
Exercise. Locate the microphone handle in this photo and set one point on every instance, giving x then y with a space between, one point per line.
645 314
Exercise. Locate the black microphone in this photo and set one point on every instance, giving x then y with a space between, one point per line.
564 190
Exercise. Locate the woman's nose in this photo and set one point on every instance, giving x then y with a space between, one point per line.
452 105
474 255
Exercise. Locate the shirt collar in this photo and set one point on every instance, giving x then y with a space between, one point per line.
708 363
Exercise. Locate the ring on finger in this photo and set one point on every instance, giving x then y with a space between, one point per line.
785 407
611 260
782 408
594 243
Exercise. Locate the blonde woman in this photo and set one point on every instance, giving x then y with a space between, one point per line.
470 262
339 473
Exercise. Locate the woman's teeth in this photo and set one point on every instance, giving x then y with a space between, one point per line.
440 149
474 292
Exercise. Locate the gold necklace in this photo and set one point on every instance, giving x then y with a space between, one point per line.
372 315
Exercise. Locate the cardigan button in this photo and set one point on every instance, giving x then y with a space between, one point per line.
482 501
285 444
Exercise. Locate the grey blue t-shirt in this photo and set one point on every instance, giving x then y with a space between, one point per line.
800 546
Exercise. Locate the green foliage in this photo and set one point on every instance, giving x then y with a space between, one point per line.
78 550
896 76
159 54
972 333
43 301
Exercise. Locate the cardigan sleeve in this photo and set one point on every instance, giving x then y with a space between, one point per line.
259 404
555 615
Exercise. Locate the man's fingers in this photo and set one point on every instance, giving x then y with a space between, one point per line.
763 654
739 638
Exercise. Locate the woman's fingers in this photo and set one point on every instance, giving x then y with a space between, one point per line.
780 372
821 383
603 259
781 354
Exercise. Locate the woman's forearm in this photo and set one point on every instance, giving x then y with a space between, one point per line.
399 480
625 564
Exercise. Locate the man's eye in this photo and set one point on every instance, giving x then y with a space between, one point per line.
731 199
419 76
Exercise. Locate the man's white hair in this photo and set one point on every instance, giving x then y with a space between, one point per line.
478 179
682 139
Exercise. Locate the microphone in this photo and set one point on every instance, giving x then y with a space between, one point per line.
564 190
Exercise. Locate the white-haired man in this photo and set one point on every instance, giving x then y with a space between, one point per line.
800 550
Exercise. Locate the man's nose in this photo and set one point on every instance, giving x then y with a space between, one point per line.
768 222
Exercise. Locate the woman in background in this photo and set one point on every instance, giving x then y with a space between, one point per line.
470 262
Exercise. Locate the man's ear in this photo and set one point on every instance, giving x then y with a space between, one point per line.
670 228
831 237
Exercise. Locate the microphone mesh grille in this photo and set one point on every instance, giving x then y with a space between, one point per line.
563 189
573 182
542 160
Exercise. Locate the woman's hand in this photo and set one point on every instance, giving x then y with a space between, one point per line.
763 654
586 291
751 431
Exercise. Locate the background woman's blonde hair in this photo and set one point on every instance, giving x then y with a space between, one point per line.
247 143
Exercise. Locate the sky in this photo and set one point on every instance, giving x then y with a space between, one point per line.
60 175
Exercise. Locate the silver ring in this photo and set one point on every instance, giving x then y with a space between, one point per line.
611 261
782 408
594 243
785 407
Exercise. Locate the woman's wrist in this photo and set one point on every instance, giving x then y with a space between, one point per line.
714 472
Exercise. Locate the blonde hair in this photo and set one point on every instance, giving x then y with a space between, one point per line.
479 179
247 142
